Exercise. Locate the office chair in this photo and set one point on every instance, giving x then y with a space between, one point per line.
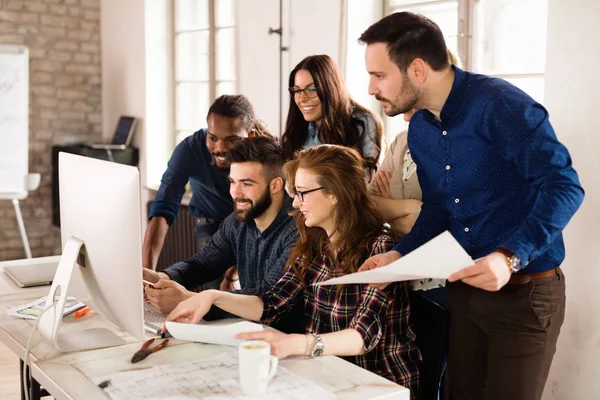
430 323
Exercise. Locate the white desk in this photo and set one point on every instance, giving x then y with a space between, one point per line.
68 376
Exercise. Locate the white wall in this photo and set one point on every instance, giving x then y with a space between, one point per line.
572 98
122 30
123 60
309 27
361 15
160 120
258 58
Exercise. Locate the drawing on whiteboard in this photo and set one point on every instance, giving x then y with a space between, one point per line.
8 78
14 118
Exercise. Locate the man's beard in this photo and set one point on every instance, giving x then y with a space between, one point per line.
256 209
405 101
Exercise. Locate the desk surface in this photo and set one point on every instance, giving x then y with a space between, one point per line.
68 375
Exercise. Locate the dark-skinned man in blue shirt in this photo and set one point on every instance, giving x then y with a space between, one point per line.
494 174
200 160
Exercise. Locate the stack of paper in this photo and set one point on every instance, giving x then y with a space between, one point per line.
439 258
215 332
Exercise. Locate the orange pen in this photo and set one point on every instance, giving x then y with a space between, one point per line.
82 311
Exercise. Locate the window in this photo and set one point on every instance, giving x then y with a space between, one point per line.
204 60
509 39
502 38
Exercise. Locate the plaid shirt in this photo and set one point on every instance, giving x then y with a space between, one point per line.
381 316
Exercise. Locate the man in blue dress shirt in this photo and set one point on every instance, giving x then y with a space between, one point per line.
493 174
200 160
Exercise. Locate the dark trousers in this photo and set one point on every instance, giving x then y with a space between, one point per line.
205 229
502 343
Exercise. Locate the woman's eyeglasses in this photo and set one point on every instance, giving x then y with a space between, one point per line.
300 195
310 92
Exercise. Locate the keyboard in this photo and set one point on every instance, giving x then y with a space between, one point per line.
153 319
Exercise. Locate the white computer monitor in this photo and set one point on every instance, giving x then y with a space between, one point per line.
101 263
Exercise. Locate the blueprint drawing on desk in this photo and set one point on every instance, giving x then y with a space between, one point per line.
213 378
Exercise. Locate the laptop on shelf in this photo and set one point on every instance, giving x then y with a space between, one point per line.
123 135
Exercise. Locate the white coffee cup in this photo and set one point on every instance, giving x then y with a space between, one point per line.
257 366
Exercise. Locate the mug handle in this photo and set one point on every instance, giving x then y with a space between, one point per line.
273 370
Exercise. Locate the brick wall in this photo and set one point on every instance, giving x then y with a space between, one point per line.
63 37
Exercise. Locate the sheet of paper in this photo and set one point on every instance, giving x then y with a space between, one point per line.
209 379
33 309
439 258
214 332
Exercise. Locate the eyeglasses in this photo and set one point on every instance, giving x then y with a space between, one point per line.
300 195
310 92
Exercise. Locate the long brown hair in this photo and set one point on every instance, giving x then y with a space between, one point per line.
340 123
357 223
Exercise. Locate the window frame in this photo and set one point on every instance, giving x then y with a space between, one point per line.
466 36
212 81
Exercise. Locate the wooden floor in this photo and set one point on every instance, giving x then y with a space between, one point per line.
9 374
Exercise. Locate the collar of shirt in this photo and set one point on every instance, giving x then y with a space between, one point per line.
312 130
454 101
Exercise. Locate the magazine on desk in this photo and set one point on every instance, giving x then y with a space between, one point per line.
34 309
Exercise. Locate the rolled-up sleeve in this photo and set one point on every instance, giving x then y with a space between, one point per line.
282 298
367 320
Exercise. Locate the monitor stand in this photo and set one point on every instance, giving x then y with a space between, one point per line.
50 321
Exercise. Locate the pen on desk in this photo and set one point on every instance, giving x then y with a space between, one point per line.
82 311
104 384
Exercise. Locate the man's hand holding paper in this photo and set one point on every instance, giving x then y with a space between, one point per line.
489 273
439 258
380 260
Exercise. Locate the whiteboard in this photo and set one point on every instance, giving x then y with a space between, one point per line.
14 118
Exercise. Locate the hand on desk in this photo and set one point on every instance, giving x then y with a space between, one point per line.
193 308
166 295
282 344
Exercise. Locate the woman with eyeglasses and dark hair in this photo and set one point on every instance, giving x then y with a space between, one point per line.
339 228
322 112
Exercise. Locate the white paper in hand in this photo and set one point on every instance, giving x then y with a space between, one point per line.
439 258
214 332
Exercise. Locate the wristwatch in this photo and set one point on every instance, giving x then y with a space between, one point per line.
514 264
317 350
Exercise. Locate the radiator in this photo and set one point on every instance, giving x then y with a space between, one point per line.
180 242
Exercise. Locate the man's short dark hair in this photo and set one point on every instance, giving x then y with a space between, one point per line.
262 150
409 36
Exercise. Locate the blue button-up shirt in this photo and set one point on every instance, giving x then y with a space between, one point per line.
191 161
493 173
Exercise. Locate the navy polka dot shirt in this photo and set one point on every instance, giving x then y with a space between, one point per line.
493 173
